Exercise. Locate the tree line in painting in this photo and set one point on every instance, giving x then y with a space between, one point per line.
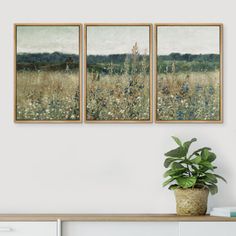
95 63
188 62
103 63
47 61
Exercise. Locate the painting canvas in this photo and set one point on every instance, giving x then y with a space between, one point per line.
47 82
118 84
189 73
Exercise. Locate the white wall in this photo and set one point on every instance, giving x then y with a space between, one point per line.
105 168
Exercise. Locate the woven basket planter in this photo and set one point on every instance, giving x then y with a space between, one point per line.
191 202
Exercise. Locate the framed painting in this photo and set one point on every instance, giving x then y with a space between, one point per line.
188 74
48 73
118 73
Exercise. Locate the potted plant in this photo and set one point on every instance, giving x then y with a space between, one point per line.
191 176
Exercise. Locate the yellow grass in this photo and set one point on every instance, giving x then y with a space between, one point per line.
118 97
188 96
47 95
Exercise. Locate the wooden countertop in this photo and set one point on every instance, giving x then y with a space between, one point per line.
113 218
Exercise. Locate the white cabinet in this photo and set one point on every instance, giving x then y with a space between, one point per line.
28 228
207 228
120 229
116 228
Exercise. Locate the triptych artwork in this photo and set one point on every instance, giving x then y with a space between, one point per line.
117 73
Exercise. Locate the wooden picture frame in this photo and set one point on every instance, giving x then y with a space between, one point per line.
70 67
219 70
105 25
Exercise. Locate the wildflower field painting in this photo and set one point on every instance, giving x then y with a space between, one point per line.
118 83
189 73
47 79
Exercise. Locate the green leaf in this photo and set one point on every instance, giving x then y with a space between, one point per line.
211 157
187 144
196 160
168 161
178 152
206 180
206 164
173 186
213 189
195 168
211 177
220 177
205 154
199 150
168 181
172 172
177 140
186 162
177 166
186 182
169 173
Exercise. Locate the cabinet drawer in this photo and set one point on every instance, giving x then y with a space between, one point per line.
208 228
119 229
28 228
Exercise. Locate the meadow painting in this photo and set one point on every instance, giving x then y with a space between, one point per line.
118 81
189 73
47 79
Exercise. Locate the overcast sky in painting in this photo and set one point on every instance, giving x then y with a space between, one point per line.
188 39
105 40
34 39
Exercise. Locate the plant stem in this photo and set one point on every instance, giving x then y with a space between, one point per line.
189 172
